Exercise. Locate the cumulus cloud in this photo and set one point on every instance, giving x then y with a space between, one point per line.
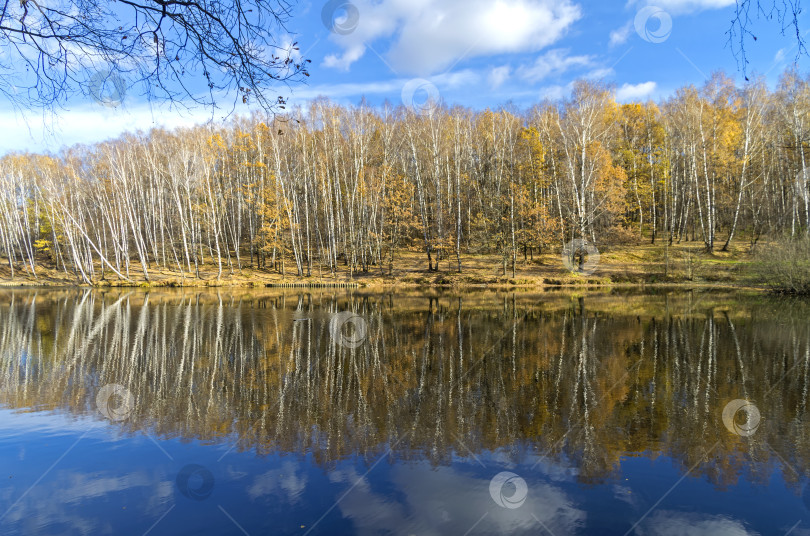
432 35
632 92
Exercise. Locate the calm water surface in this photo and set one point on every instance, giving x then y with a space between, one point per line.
351 413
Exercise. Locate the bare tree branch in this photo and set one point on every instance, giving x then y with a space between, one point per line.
785 12
50 50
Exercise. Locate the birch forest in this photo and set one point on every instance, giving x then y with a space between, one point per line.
329 187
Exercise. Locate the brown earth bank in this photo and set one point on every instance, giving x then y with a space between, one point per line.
685 264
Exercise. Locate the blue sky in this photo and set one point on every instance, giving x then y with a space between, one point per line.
477 53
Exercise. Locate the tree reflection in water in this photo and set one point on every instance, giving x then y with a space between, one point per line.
581 380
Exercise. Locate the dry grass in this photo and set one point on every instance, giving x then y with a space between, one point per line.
785 267
640 264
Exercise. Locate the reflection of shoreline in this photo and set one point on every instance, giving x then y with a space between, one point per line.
584 385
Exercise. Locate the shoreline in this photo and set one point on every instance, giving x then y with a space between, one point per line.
639 266
388 286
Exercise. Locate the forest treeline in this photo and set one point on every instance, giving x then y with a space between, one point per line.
350 186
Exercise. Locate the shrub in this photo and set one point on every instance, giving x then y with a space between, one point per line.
785 265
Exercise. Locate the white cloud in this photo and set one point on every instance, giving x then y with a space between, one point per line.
86 124
633 92
669 523
498 76
290 49
679 7
556 92
423 506
456 79
554 62
620 35
91 123
342 91
284 481
447 81
432 35
68 488
344 61
599 73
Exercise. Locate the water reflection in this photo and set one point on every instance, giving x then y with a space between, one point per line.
572 387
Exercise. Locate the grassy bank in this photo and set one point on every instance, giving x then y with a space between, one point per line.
686 264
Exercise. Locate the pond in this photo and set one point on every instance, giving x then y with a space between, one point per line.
346 412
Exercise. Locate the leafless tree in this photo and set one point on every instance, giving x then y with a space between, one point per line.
784 12
52 51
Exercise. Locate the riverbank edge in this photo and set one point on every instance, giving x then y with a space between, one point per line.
386 286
